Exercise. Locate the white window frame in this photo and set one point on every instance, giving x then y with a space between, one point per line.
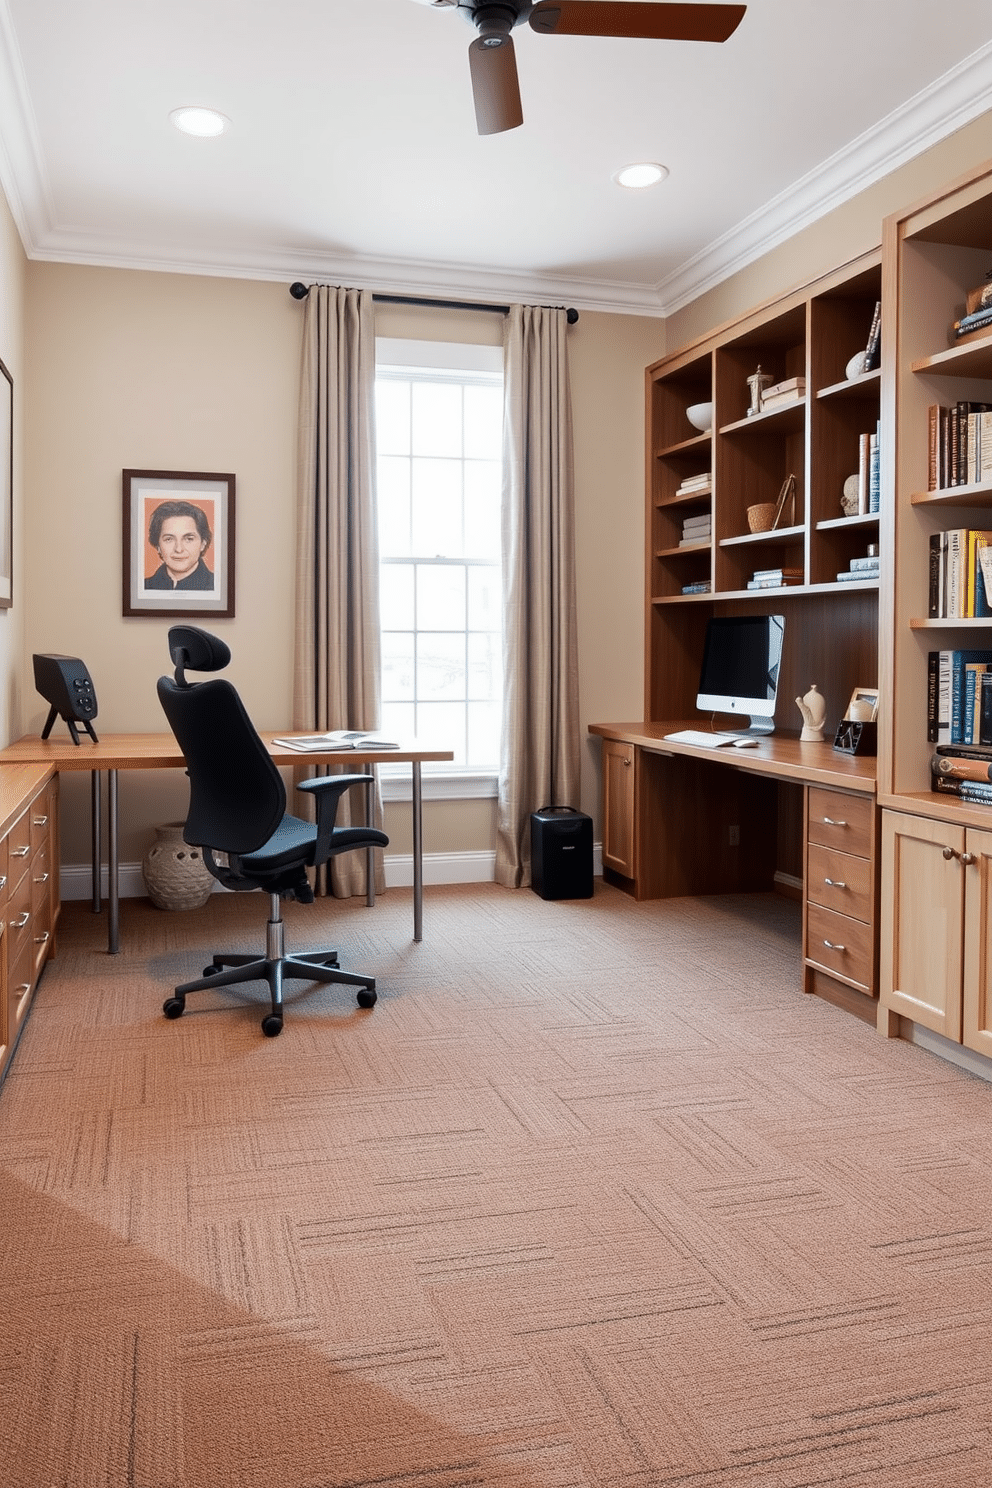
440 782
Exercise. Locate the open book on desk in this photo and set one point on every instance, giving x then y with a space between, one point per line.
338 739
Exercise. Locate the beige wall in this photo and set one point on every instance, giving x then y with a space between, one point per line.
178 372
12 272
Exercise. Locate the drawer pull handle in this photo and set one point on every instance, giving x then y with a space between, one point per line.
20 852
835 883
828 821
831 946
43 878
21 921
24 987
41 939
627 763
3 880
967 859
39 821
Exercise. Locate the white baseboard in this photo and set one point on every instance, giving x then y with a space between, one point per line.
76 879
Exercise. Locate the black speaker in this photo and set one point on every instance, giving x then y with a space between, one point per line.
64 682
561 853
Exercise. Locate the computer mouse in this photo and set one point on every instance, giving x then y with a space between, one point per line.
745 743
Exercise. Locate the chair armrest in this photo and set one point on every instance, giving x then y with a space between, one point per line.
327 791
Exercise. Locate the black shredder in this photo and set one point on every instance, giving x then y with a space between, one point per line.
561 853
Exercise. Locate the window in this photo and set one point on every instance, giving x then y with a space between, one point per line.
439 431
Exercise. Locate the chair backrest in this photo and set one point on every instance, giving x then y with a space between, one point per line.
237 797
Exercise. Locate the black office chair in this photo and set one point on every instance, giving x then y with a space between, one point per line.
238 808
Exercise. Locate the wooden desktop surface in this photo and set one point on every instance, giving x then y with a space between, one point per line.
160 751
780 755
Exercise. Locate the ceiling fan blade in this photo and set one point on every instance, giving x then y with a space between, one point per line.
653 22
495 86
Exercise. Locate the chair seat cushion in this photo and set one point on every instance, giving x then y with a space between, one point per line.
292 842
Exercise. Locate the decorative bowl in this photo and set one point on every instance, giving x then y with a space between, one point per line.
761 517
700 416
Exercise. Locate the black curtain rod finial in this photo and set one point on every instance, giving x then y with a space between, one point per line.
299 291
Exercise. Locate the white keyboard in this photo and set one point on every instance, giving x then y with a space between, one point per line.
702 739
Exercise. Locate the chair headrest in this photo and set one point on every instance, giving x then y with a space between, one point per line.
196 650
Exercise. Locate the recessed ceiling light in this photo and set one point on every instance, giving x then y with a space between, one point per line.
203 122
636 177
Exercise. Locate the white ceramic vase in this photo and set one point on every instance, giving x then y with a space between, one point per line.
176 876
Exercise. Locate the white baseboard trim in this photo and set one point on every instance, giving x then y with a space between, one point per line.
76 879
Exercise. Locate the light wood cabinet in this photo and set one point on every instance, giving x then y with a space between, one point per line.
840 917
619 771
29 897
936 927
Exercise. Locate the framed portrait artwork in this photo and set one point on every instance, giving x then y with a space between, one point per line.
6 488
178 546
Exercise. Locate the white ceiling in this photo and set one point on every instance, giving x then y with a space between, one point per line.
353 156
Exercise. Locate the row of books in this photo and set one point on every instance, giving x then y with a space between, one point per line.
959 697
861 568
775 578
973 325
959 444
701 586
960 576
789 390
695 485
696 529
870 471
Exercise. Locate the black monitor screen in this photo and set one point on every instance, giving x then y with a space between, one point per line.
741 663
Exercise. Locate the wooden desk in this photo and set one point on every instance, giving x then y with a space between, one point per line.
117 752
681 820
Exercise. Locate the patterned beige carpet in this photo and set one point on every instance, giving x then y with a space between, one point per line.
594 1196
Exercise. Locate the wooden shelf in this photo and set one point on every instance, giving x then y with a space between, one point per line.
703 495
694 446
973 359
969 622
854 387
683 550
779 535
842 524
974 495
787 417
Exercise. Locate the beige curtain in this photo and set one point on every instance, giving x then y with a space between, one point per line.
540 754
336 675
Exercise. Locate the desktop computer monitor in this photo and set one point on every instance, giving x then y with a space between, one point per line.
739 675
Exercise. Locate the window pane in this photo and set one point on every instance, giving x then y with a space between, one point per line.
442 726
485 603
484 721
399 722
440 665
392 417
393 498
440 597
437 508
485 667
398 674
437 419
396 611
483 498
483 423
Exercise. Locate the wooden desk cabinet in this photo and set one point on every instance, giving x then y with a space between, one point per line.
619 806
840 902
29 892
936 928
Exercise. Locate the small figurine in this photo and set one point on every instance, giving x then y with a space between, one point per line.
814 711
757 383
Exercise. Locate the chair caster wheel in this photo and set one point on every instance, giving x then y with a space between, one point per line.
365 998
173 1007
272 1025
210 970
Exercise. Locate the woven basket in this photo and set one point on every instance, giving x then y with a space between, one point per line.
761 517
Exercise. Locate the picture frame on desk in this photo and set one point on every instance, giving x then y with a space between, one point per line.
178 544
6 488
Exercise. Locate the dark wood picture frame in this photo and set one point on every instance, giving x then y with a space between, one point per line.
6 488
195 533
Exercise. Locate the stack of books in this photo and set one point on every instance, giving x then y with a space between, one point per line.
774 578
974 324
787 391
957 770
959 444
869 471
696 530
960 578
959 697
701 586
694 485
860 568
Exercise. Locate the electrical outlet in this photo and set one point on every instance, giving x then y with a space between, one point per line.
735 836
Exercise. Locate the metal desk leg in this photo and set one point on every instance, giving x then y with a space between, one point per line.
114 902
418 855
370 851
96 823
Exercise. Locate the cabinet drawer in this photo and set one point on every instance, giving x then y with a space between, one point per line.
39 821
839 945
840 881
841 821
18 849
19 934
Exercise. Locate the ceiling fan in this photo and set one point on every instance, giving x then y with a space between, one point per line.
492 62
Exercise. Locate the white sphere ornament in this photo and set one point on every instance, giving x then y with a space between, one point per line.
855 366
700 416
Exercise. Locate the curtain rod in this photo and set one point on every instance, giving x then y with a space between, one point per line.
300 291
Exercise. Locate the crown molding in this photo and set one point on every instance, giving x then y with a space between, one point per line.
22 172
946 105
